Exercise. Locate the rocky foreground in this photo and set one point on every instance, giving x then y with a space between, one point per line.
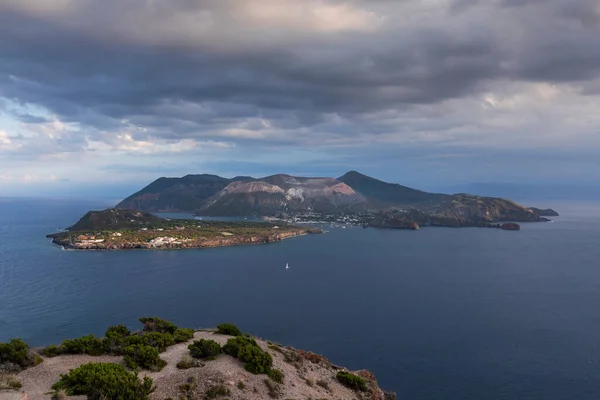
302 375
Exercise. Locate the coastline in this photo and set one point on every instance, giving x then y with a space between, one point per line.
66 242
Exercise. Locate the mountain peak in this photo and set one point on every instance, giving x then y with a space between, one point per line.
355 175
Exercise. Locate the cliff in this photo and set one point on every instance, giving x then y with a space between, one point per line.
185 364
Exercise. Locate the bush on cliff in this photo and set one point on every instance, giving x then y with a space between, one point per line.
228 329
276 375
247 350
204 348
143 357
89 344
104 381
158 340
183 335
155 324
16 355
114 339
51 351
351 381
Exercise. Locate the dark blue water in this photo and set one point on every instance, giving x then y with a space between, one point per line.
435 314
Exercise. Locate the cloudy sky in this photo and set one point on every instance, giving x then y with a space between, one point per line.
115 93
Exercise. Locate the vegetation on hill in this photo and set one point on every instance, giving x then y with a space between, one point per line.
247 350
288 371
16 355
140 349
104 381
204 348
351 381
113 218
126 229
228 329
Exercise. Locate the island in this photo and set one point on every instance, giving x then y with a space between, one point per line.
163 361
352 198
115 229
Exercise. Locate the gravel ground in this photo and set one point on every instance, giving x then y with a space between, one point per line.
304 379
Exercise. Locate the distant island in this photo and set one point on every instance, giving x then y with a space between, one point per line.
115 229
352 197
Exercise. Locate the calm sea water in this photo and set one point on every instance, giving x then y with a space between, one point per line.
435 314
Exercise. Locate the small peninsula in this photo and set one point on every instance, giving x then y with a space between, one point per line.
115 229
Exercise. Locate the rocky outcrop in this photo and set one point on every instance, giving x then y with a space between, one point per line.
548 212
510 226
283 193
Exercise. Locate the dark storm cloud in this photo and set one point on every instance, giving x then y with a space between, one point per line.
98 63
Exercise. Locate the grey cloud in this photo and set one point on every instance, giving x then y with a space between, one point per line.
29 118
103 62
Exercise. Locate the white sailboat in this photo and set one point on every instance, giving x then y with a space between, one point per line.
287 266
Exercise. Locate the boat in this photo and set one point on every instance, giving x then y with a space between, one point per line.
287 266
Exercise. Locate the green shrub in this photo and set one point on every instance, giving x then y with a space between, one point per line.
186 362
188 388
273 389
276 347
204 348
324 384
144 357
228 329
117 331
115 339
158 340
246 349
17 353
155 324
183 335
104 380
9 382
89 344
276 375
51 351
217 391
351 381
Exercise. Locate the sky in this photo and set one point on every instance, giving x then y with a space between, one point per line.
106 96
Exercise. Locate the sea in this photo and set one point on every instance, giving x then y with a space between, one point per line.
439 313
